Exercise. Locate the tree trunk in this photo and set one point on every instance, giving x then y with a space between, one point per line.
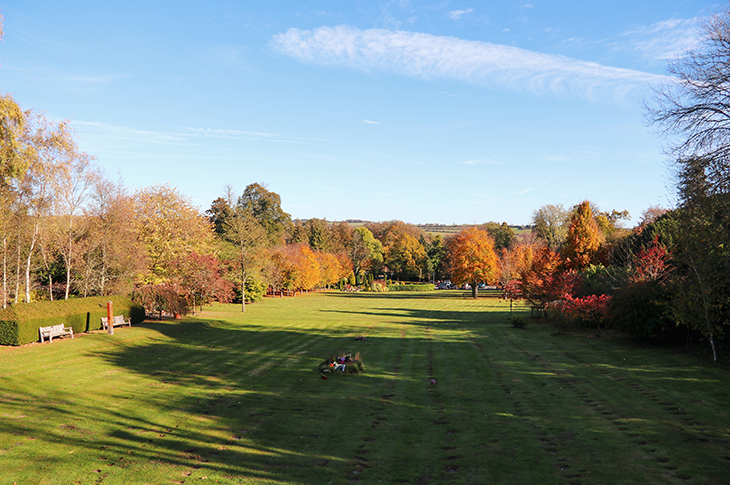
243 289
474 290
710 330
17 273
28 262
5 272
68 265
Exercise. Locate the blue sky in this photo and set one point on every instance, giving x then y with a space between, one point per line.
424 111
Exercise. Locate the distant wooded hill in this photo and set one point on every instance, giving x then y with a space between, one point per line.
444 229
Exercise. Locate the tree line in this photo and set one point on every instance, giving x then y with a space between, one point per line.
68 230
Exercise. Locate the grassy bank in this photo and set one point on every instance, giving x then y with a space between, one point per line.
451 394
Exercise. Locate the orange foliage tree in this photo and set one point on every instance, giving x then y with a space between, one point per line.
471 258
584 239
296 266
332 268
540 277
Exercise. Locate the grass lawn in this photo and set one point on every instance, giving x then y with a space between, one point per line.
225 397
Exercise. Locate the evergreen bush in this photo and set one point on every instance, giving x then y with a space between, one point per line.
518 322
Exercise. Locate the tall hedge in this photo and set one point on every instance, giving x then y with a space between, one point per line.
19 323
410 287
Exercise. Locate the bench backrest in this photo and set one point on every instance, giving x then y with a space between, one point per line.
119 320
54 329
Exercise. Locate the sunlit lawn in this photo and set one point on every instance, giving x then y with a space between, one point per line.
234 398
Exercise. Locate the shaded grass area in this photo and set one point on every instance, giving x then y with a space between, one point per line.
237 398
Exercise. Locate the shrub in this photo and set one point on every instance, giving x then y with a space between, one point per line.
518 322
19 323
160 298
411 287
255 290
643 310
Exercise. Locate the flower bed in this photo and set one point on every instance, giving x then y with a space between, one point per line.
341 364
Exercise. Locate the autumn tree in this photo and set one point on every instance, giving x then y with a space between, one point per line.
71 191
112 258
583 239
515 261
295 266
550 223
169 226
52 148
539 277
332 268
13 150
471 258
200 280
404 255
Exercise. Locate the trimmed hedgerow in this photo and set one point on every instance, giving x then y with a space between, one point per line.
19 323
411 287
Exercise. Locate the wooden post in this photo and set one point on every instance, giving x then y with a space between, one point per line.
109 318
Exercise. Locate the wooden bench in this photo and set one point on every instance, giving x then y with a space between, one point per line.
55 331
117 321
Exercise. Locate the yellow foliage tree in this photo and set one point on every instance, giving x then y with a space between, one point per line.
169 226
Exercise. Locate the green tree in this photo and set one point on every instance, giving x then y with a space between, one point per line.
266 208
248 241
436 253
693 109
503 235
365 252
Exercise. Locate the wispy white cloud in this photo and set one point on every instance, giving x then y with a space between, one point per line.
181 136
129 133
478 161
524 191
371 122
667 39
457 14
428 56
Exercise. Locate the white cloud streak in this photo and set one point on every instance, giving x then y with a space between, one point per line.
181 136
457 14
371 122
667 39
426 56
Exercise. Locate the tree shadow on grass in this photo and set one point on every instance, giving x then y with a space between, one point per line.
232 402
